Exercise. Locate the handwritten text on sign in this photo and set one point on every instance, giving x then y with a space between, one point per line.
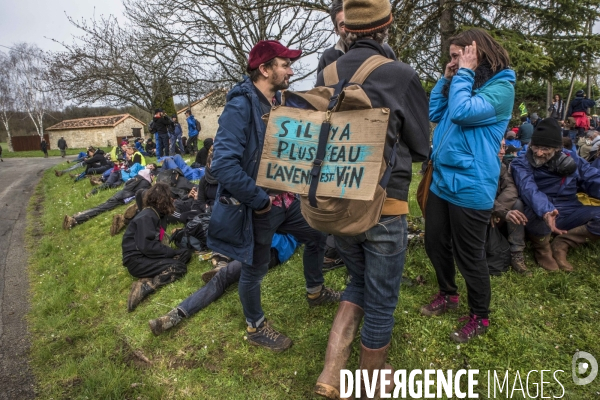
353 156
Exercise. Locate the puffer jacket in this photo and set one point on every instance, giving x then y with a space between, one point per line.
467 138
543 190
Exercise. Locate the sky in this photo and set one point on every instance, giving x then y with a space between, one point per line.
39 21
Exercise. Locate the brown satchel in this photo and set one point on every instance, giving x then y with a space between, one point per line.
423 189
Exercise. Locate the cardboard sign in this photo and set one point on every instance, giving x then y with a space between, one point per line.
353 156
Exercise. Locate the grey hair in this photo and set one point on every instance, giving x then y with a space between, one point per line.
379 37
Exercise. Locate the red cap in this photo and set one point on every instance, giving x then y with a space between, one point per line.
266 50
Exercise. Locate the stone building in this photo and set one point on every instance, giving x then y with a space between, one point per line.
205 112
96 131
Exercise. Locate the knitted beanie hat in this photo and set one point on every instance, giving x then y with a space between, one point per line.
547 133
367 16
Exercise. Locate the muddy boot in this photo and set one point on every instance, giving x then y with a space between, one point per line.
339 346
68 222
161 324
95 181
573 238
517 262
543 252
130 212
58 173
372 360
140 289
118 223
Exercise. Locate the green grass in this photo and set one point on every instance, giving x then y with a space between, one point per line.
86 345
39 153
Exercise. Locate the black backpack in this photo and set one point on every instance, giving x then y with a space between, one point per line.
193 235
198 126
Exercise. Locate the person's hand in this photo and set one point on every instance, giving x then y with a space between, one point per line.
494 221
193 193
467 58
550 219
451 69
516 217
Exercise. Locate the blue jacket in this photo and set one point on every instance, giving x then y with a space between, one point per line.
127 174
192 131
467 138
236 156
177 130
543 191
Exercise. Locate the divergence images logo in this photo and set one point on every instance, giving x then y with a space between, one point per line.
590 365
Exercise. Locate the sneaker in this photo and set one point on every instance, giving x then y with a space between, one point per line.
267 337
325 296
332 263
440 304
161 324
517 262
140 289
474 327
69 222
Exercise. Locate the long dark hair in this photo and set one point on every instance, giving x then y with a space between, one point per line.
488 49
159 198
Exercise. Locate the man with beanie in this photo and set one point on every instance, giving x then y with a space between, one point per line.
375 258
336 12
548 180
162 124
246 216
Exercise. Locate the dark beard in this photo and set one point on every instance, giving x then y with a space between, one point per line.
483 73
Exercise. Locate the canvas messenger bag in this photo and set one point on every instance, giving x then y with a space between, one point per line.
327 145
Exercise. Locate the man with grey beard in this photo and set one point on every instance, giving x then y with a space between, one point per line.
548 180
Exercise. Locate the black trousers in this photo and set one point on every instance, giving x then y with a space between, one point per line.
113 202
454 233
192 144
169 269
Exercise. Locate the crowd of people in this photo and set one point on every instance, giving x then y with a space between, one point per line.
527 182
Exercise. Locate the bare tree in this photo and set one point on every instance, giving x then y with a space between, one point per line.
35 92
219 34
7 96
120 65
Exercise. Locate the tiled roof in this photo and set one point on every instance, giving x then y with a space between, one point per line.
93 122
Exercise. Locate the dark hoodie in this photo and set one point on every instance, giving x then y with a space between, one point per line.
162 124
142 237
97 160
202 155
580 104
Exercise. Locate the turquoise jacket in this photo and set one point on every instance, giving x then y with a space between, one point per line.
467 138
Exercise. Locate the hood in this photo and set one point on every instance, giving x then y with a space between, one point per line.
145 173
99 152
208 143
246 88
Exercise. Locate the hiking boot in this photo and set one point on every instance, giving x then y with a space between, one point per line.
58 173
130 212
95 181
517 262
161 324
474 327
267 337
208 275
543 252
140 289
69 222
325 296
118 223
573 238
73 175
440 304
219 260
332 263
88 195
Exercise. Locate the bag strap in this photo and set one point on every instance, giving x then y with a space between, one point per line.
330 75
367 67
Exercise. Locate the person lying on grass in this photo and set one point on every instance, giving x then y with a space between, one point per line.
144 254
218 279
143 180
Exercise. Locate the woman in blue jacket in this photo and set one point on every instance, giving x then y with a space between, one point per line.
472 106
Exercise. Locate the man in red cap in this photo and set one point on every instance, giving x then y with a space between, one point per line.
246 216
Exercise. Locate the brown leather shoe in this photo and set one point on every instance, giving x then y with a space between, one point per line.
339 347
573 238
543 252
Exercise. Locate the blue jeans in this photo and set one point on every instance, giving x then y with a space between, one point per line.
568 218
176 140
74 167
190 173
375 261
280 220
157 150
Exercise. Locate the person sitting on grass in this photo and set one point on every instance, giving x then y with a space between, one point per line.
118 177
193 174
218 279
150 148
202 156
142 181
144 254
95 164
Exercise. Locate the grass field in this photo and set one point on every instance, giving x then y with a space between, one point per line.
87 346
39 153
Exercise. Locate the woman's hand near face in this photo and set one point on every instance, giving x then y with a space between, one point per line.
468 57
